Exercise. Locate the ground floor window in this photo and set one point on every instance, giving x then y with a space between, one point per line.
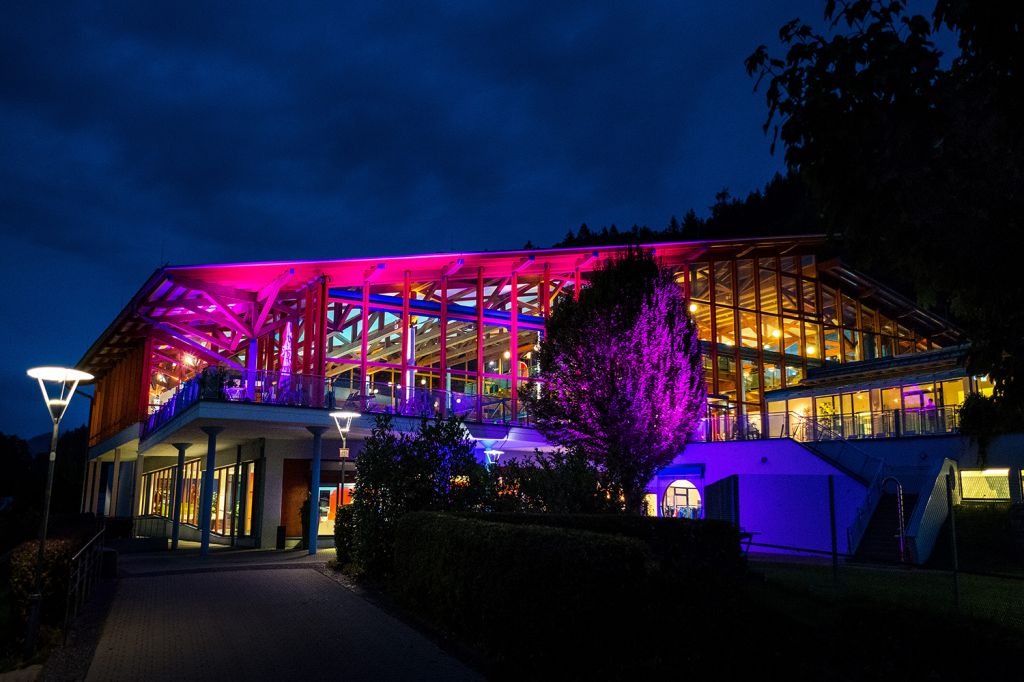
231 503
681 500
329 503
986 484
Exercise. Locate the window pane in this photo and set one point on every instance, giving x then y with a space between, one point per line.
769 300
748 329
725 325
699 284
723 283
746 284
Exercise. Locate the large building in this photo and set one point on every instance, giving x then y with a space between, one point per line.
218 376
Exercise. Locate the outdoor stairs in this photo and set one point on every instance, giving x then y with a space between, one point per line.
881 538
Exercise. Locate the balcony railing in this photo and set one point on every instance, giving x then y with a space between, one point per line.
888 424
302 390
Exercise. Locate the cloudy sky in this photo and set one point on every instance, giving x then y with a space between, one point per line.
143 133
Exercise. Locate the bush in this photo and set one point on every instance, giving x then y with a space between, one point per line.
698 550
344 533
527 594
56 568
431 470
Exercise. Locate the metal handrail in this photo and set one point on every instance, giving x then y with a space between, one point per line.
84 573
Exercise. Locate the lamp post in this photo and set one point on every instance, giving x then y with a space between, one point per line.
59 378
343 420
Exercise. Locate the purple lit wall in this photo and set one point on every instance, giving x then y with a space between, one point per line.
783 489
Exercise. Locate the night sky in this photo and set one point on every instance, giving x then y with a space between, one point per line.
133 136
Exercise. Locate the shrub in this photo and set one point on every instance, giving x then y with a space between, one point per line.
707 551
433 469
344 532
529 594
56 568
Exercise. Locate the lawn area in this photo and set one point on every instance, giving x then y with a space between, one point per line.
1000 600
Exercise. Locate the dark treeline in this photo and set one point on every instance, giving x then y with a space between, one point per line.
783 207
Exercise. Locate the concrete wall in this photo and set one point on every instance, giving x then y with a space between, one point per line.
793 510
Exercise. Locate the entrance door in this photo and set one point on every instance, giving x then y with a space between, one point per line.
681 501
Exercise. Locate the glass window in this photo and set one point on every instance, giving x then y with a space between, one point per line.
789 264
829 311
953 392
812 344
723 283
746 284
725 324
987 484
790 336
771 334
699 284
790 294
794 375
810 298
701 313
748 329
833 352
769 295
807 265
772 376
727 376
751 383
852 350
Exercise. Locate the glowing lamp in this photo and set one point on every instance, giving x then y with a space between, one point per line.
507 355
776 333
811 349
343 420
693 307
62 382
59 378
493 456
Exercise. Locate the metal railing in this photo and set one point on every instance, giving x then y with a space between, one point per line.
85 572
886 424
304 390
391 398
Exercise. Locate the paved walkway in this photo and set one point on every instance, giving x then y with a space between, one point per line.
238 617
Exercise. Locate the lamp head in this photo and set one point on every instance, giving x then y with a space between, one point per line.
64 381
343 420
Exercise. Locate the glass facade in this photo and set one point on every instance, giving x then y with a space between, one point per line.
765 321
231 506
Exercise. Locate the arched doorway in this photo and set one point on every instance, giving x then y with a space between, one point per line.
681 500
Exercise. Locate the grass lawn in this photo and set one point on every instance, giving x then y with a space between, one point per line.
1000 600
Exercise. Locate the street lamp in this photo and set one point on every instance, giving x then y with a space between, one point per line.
62 383
493 456
343 420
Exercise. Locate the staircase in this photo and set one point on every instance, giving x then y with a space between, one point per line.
881 538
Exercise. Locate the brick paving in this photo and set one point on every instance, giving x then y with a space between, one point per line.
255 624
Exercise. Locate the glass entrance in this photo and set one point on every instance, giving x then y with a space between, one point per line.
681 501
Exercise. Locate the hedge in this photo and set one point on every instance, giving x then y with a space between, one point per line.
69 535
528 594
684 549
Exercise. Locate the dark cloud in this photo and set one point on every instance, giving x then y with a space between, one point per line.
138 133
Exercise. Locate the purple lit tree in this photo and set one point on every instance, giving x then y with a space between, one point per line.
622 372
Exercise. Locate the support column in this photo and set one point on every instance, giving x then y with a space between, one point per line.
513 350
94 503
206 498
179 492
115 482
314 486
87 488
251 367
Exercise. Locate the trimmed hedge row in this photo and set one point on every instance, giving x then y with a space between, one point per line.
526 593
684 549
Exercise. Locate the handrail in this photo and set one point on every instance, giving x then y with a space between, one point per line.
84 572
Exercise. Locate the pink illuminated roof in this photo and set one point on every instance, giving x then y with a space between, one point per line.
173 292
